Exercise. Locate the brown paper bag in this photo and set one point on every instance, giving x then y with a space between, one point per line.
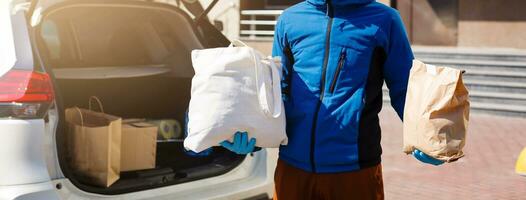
94 144
139 145
436 112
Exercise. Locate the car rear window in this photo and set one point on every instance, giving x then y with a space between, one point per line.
104 37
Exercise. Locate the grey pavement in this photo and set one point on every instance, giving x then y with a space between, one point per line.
486 172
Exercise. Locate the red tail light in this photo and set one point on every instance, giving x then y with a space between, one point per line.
25 94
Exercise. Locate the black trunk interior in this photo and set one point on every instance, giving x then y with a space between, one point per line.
154 97
150 97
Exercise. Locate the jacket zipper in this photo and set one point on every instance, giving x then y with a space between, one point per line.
341 61
329 13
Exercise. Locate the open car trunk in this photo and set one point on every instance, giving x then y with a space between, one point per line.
135 57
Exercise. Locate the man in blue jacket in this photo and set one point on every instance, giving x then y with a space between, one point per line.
336 55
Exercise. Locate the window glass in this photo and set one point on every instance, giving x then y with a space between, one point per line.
51 38
103 37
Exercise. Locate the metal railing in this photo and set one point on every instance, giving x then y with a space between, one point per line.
258 24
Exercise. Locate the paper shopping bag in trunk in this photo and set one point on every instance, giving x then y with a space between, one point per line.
94 145
436 112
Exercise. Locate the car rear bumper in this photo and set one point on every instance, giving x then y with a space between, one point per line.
252 178
35 191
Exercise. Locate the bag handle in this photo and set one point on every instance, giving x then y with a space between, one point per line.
81 117
98 102
263 93
237 43
276 88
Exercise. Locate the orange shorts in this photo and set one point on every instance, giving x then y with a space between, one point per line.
292 183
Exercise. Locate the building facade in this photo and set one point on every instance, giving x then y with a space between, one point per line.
466 23
463 23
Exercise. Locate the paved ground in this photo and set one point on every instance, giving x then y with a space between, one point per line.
486 172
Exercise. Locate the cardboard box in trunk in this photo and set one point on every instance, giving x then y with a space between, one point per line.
139 145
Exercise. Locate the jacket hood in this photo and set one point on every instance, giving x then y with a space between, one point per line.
340 2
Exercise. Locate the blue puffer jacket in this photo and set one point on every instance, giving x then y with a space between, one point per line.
336 57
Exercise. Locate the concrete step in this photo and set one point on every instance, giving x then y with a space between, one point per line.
470 65
497 76
499 73
497 100
470 68
488 86
498 95
480 54
498 109
488 97
494 86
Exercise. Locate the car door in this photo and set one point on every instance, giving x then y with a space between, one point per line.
211 35
26 94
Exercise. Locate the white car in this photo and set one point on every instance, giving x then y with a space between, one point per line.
135 56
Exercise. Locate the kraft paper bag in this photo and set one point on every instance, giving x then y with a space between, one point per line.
436 112
94 145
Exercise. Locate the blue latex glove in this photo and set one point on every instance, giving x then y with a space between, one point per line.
241 144
422 157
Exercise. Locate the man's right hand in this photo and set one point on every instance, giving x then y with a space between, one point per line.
241 144
422 157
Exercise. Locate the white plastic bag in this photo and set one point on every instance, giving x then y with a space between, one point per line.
235 89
